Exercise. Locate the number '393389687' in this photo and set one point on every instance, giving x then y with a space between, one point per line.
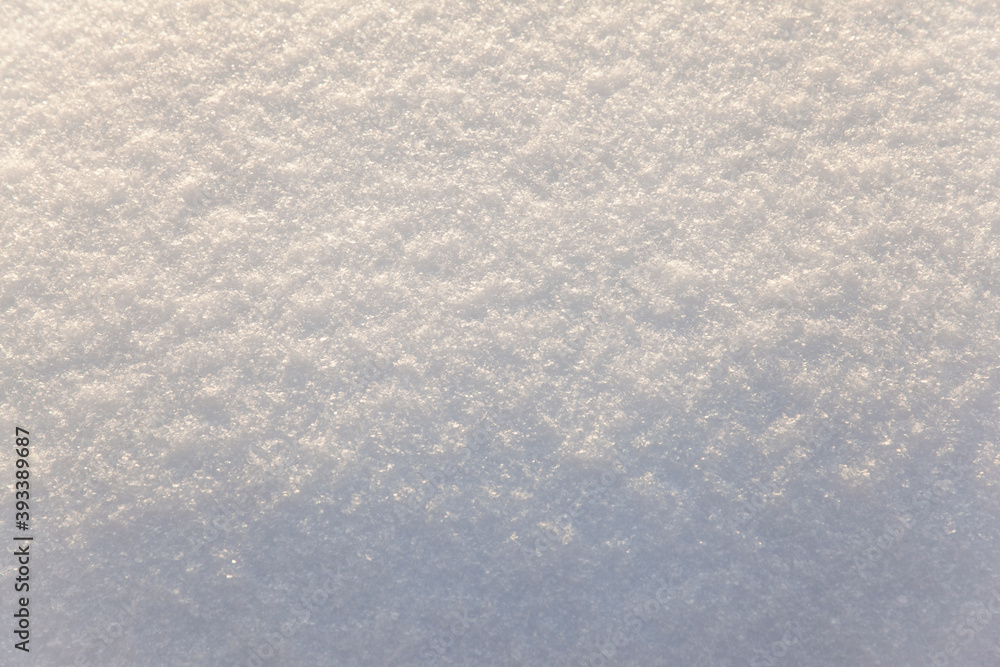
21 475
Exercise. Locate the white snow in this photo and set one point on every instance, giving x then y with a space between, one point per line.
504 333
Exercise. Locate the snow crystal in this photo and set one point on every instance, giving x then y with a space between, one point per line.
498 333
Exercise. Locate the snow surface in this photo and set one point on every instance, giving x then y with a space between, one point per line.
499 333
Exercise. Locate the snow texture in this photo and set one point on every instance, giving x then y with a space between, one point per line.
504 333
